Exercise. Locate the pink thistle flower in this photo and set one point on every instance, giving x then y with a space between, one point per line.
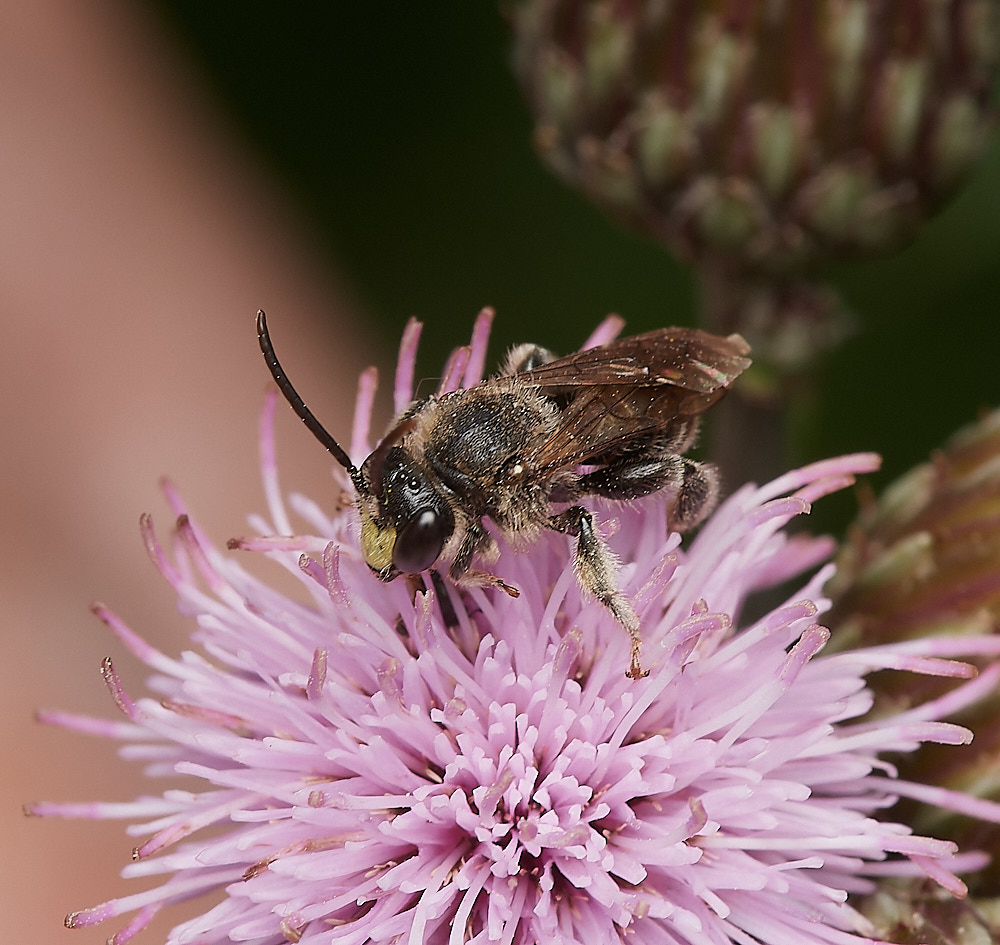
376 773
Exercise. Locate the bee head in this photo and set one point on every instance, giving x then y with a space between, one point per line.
405 521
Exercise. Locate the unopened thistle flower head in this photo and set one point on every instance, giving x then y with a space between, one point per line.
390 765
776 133
924 559
758 139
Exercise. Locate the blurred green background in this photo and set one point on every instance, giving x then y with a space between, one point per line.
400 129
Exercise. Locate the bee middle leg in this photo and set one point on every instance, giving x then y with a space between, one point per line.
595 570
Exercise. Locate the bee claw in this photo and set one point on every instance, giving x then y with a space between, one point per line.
635 671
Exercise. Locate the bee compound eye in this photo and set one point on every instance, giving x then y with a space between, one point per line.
420 542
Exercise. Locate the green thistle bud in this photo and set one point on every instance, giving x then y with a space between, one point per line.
912 911
773 134
925 559
927 554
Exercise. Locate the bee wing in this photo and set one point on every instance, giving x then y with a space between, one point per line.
686 358
635 386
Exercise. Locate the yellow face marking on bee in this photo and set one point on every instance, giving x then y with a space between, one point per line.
377 544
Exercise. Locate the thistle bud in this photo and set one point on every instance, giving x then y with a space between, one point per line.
924 559
927 553
772 133
912 911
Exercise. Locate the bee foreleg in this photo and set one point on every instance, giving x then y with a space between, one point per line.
596 569
475 541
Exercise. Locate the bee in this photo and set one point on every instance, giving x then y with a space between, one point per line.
523 447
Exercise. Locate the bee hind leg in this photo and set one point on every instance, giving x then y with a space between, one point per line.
696 495
595 570
526 358
696 485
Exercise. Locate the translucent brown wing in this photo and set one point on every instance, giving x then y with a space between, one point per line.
631 388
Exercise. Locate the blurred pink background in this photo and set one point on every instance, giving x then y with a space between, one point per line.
139 237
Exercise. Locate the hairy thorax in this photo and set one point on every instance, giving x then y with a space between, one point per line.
481 443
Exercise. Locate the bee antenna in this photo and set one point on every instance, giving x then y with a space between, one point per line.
298 404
